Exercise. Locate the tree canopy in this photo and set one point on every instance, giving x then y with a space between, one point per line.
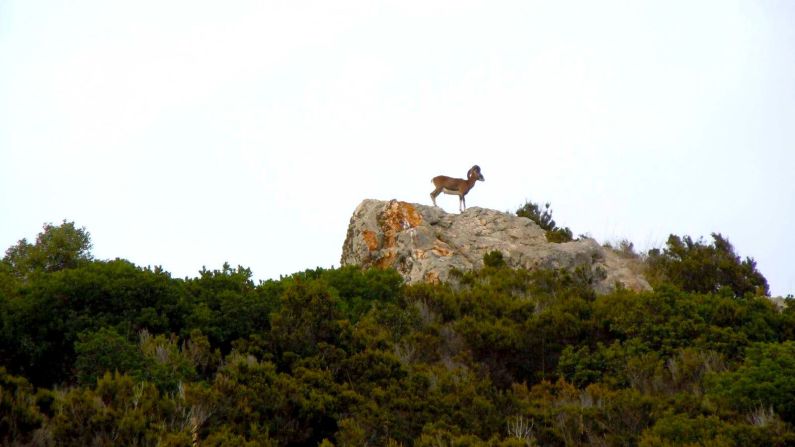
696 266
57 247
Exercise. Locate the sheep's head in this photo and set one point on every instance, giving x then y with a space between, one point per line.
475 172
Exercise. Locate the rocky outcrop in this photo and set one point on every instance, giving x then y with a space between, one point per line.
425 243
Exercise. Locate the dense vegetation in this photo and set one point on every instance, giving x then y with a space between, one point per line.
97 352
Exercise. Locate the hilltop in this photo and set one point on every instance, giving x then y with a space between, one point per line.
425 244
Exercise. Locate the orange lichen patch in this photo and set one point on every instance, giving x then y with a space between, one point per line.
441 249
400 216
411 216
397 217
370 239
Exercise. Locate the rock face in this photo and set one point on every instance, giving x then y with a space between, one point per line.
424 243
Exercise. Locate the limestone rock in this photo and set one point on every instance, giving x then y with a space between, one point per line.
424 243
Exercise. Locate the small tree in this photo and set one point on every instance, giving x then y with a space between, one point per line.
544 220
57 247
696 266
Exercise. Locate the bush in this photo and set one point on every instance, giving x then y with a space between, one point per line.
19 413
544 220
104 350
494 259
695 266
766 378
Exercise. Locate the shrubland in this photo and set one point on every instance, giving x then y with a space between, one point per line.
104 352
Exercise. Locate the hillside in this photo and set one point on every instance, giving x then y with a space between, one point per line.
105 353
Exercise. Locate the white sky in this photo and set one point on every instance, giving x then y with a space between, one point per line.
188 133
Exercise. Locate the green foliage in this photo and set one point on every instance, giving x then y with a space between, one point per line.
494 259
695 266
667 320
121 411
682 429
56 248
307 315
20 414
104 350
501 357
225 305
583 366
766 378
543 217
256 401
42 324
165 365
359 290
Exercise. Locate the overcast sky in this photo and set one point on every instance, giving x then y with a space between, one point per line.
187 133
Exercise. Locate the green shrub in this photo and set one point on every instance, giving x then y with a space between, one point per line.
544 220
19 413
105 350
696 266
494 259
765 378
